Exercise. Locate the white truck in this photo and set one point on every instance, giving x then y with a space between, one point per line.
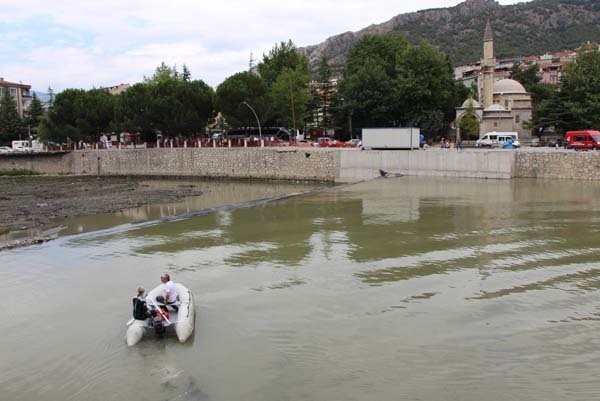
391 138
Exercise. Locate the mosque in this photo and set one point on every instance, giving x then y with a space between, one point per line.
504 104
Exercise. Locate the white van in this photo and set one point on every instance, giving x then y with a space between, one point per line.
497 139
21 146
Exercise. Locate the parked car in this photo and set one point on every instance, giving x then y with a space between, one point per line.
354 143
324 142
582 140
5 149
553 141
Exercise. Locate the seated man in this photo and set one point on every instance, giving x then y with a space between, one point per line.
140 310
169 296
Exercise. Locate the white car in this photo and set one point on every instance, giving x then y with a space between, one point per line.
5 149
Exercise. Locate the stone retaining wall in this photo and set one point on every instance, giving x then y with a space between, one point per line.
342 165
266 163
558 163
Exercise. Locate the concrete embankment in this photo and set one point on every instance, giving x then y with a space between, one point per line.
431 162
340 165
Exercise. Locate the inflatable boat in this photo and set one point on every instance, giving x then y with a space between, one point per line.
164 319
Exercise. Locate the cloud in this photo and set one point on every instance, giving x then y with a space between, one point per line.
90 43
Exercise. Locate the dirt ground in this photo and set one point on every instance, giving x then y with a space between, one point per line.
32 201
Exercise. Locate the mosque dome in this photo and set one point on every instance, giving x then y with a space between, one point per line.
508 86
472 102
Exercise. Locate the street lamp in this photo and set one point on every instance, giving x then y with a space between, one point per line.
258 122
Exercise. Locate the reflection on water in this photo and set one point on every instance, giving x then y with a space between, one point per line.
401 288
214 194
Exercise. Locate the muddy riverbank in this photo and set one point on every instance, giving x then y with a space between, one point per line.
33 201
34 209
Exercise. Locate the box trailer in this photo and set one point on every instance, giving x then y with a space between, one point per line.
391 138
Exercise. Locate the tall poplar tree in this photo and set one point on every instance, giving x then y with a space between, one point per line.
285 74
34 113
11 125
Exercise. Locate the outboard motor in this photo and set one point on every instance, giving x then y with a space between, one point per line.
160 315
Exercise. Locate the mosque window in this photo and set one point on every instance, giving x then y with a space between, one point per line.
517 118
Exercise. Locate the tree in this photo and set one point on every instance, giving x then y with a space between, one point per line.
425 88
34 113
388 82
11 124
580 90
167 103
50 97
162 73
280 57
285 75
545 101
550 115
186 75
78 115
236 89
290 96
133 111
528 76
367 94
194 105
469 123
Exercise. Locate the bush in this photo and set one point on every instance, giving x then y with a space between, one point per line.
17 172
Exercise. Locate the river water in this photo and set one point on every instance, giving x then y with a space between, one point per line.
393 289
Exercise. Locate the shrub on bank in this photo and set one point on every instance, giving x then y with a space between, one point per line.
17 171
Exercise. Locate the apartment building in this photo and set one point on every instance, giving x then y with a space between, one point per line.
321 114
21 93
116 89
551 66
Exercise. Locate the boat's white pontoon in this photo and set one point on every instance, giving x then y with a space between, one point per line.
181 321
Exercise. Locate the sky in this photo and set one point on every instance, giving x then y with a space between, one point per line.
90 44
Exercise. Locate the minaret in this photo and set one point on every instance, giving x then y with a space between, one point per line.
488 64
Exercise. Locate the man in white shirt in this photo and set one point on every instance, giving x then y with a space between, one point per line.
169 292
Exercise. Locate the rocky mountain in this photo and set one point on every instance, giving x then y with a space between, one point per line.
522 29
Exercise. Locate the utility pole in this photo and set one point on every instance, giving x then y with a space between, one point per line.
257 121
293 111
